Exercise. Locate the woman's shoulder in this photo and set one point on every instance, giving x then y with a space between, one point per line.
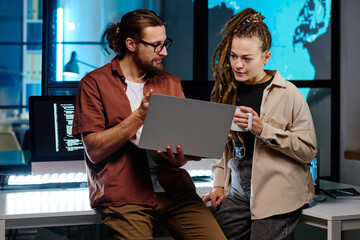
279 80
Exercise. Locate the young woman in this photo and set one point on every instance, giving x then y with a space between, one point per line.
262 182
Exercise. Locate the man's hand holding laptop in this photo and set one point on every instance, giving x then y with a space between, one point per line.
177 159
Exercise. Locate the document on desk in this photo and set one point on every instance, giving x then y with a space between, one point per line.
343 193
200 127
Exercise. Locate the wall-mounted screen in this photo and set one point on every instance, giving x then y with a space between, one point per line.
301 34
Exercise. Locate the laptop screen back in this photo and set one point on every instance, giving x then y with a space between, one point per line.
200 127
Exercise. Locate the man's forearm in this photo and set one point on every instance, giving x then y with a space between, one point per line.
100 145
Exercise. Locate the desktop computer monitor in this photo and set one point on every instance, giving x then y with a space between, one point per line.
53 148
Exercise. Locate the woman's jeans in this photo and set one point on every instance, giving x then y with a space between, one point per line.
234 218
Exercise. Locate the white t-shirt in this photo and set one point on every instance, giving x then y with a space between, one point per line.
135 93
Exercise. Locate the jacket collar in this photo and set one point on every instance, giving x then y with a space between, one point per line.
278 80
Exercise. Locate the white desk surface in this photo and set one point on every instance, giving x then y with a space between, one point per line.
335 215
46 207
335 209
64 207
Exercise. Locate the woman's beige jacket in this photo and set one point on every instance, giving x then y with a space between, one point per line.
281 181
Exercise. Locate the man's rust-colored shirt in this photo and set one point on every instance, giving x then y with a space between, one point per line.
101 103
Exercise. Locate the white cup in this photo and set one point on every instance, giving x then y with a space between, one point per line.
237 128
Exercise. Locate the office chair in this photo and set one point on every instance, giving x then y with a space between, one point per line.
5 127
9 142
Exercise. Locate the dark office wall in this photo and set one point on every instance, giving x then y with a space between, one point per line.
350 89
179 26
349 95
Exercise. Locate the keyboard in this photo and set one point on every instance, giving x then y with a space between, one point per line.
202 179
47 178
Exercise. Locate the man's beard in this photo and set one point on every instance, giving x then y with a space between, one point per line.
148 67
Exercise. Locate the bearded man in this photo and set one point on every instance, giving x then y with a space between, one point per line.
132 187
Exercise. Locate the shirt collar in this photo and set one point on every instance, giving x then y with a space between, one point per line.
115 67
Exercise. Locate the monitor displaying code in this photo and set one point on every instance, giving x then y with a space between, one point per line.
51 119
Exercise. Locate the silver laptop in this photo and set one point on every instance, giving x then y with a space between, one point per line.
200 127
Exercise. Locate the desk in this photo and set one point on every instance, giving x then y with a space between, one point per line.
67 207
15 162
45 208
335 215
12 158
49 208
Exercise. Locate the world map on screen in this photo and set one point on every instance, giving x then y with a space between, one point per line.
301 34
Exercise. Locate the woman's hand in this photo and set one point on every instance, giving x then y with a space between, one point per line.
178 159
216 197
257 124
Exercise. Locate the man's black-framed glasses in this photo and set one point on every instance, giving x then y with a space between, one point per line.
158 47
